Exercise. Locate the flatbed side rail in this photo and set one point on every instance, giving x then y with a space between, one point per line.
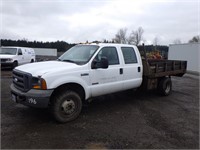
159 68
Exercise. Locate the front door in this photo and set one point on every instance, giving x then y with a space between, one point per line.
104 81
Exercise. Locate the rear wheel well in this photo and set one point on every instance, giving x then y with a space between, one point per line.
70 86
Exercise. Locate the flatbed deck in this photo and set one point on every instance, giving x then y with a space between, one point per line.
157 72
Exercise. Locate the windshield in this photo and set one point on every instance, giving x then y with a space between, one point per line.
8 51
79 54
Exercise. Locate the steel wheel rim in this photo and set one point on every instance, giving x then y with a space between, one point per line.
68 107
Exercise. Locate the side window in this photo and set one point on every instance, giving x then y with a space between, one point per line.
19 52
110 53
129 55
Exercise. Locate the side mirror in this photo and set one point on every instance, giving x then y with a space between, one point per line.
103 63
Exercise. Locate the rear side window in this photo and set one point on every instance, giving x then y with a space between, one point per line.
129 55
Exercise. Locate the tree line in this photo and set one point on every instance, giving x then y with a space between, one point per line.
61 46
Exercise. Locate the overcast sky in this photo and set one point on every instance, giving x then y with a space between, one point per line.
76 21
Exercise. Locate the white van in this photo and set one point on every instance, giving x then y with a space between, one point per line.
14 56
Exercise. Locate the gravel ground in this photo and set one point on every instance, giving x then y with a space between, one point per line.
122 120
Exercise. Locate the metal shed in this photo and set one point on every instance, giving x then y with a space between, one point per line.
189 52
45 51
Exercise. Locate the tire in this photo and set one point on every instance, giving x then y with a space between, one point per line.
66 106
15 64
32 61
165 86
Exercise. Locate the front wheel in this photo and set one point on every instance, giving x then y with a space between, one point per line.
66 106
15 64
165 86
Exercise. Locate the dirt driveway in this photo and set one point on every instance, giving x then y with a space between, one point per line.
122 120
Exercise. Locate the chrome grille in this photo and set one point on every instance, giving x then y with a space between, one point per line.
22 80
3 60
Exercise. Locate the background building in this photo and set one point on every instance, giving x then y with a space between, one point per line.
45 51
189 52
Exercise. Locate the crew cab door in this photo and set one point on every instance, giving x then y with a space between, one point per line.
132 68
109 80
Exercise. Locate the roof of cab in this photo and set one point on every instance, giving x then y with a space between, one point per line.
109 44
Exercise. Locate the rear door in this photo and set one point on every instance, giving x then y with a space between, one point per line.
104 81
132 68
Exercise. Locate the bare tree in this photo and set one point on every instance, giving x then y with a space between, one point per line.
177 41
156 40
136 36
195 39
120 37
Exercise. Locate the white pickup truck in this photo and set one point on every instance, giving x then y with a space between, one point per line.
86 71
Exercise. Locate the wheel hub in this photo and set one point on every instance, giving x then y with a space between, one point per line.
167 89
68 106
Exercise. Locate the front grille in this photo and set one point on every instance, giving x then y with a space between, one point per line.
3 60
22 80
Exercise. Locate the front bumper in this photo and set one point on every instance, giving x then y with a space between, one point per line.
6 64
33 98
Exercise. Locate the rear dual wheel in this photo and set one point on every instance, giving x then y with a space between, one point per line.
165 86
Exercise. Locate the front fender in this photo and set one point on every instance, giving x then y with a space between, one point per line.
69 79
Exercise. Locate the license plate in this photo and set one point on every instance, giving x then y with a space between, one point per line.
14 98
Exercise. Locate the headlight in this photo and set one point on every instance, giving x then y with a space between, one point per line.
39 83
9 60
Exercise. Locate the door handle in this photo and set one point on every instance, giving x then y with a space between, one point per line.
139 69
121 71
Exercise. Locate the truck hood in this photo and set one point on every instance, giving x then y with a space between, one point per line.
41 68
6 56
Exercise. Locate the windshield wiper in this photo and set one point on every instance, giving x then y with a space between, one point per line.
67 60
